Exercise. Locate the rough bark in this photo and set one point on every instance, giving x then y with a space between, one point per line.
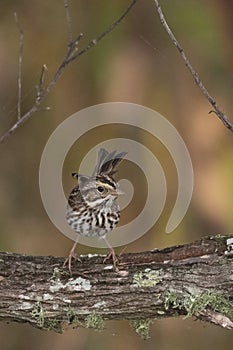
190 280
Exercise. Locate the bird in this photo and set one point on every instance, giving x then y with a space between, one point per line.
92 208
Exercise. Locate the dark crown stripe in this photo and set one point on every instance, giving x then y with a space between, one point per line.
106 180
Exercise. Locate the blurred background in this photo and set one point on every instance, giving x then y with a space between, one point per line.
135 63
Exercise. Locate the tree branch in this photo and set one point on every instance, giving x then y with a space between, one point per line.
20 60
188 280
195 75
70 56
68 21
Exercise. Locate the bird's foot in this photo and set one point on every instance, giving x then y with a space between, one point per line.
111 255
68 260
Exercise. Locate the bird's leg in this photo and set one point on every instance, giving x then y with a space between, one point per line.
111 255
70 256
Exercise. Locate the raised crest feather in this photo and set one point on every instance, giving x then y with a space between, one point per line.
107 162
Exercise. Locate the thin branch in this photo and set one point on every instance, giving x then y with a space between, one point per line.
106 32
69 23
70 56
41 82
21 37
195 75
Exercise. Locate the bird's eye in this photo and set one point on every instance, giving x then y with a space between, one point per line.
100 189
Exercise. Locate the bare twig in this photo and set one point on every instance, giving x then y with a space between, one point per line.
70 56
68 20
41 82
196 77
106 32
21 36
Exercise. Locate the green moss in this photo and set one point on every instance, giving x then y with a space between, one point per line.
38 314
72 315
142 327
215 301
198 302
53 324
148 278
171 300
219 239
58 274
94 320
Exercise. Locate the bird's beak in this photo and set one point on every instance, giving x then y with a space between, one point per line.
117 192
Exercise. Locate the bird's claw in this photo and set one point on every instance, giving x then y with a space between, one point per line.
68 260
112 255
